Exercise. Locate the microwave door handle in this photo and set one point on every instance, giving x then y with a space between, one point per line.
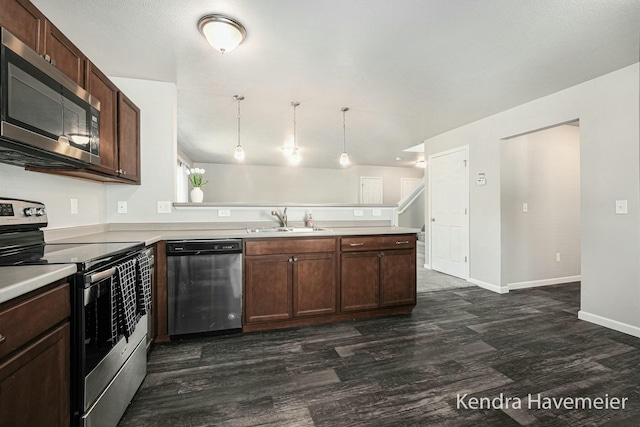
102 275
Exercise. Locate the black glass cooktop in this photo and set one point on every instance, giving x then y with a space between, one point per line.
85 255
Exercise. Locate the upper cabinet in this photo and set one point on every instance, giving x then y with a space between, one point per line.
119 116
128 139
63 54
23 20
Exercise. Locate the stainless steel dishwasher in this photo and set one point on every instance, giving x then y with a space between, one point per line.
204 286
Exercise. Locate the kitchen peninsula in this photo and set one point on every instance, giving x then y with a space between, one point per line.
293 278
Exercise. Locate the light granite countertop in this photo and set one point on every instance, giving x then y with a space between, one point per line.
152 236
19 280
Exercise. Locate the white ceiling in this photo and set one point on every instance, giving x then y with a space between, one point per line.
408 69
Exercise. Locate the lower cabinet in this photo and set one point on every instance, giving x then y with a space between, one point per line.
289 278
34 359
299 281
377 272
268 287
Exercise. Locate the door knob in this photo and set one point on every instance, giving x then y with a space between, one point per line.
433 220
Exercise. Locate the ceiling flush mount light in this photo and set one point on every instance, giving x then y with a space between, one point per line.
295 154
344 157
223 33
239 153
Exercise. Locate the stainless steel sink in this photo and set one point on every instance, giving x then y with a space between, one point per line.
285 230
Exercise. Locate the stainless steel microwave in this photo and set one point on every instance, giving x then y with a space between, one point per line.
46 119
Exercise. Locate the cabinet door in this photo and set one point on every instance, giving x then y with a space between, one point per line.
23 20
99 86
398 278
314 284
128 138
64 55
34 384
268 282
359 281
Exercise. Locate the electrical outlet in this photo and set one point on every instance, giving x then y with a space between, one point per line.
557 256
122 207
525 207
74 206
358 212
164 207
224 212
377 212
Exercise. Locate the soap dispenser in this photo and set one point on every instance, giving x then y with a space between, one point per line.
309 221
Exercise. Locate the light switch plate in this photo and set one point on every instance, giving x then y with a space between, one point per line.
621 207
358 212
525 207
122 207
164 207
74 206
224 212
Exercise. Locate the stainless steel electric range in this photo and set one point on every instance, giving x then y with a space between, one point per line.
110 300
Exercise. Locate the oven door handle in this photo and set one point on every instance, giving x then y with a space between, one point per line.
102 275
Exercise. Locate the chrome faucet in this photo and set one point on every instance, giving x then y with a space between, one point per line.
282 218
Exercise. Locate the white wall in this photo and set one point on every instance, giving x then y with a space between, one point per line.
158 129
56 193
279 184
608 109
391 187
541 169
286 184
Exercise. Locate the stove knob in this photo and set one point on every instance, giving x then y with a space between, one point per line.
30 211
40 212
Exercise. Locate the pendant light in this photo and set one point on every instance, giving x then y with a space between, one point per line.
344 157
294 158
239 153
223 33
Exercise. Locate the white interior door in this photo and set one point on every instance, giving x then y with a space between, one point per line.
371 190
407 185
449 207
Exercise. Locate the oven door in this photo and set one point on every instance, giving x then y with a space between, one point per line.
44 109
102 355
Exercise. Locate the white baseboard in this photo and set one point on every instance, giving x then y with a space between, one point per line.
609 323
427 266
489 286
544 282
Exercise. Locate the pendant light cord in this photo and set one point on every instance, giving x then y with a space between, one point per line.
295 105
344 131
238 122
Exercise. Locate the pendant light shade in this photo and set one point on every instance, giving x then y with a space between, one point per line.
294 158
223 33
239 153
344 157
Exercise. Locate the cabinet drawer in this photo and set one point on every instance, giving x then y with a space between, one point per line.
30 318
289 246
376 243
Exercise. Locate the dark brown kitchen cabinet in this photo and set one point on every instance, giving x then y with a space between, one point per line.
63 54
359 281
100 87
25 21
289 278
128 139
314 284
268 289
34 358
377 271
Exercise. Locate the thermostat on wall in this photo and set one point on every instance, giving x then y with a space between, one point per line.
482 180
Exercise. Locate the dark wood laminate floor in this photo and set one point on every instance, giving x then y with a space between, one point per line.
404 370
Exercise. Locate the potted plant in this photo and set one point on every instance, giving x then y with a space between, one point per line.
197 181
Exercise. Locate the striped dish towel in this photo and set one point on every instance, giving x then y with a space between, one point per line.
143 290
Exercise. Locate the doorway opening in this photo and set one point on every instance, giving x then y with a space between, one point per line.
540 207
